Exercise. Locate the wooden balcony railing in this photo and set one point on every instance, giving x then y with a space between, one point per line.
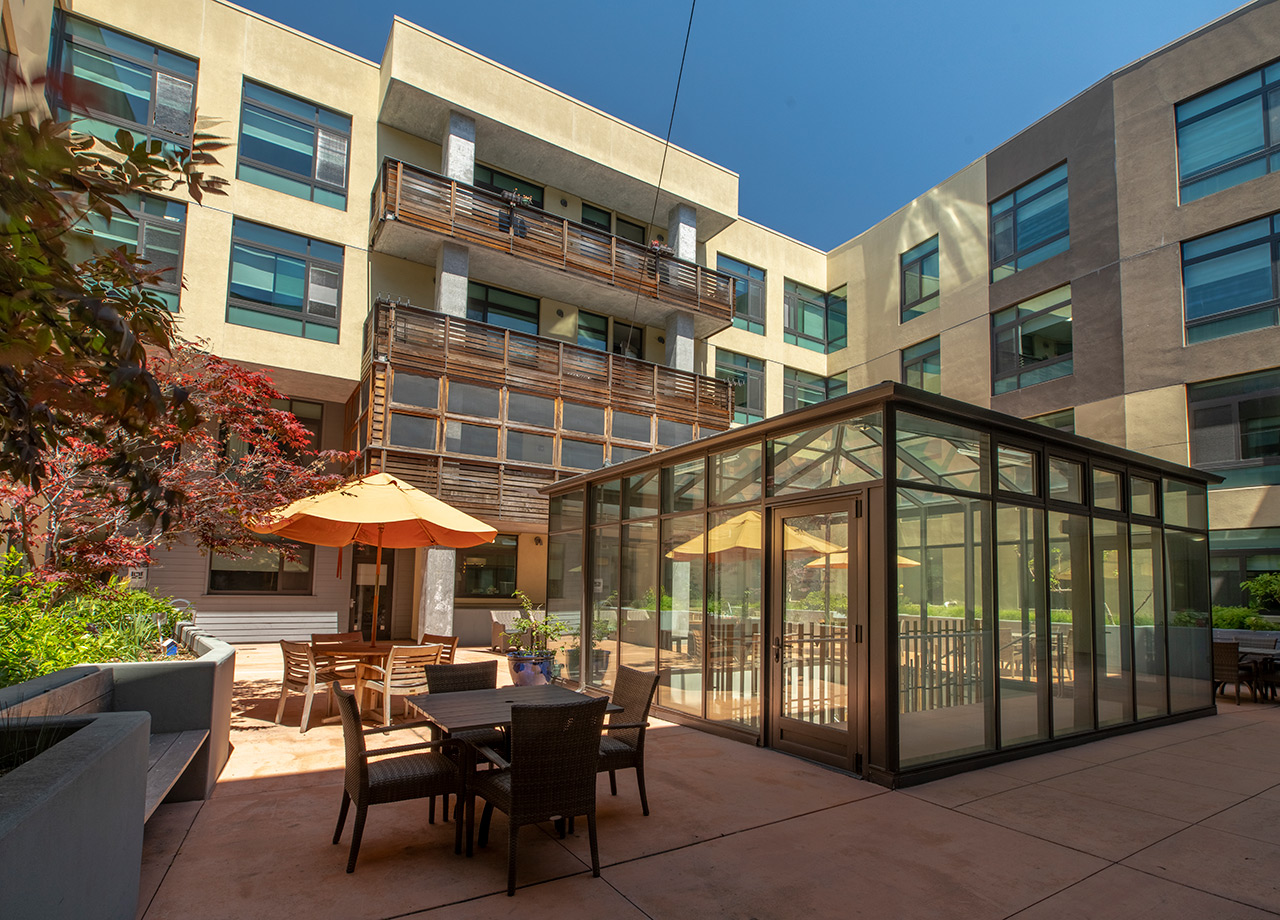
418 198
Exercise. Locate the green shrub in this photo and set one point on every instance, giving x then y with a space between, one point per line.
1240 618
1264 589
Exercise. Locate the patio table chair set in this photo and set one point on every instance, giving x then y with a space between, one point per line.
1257 666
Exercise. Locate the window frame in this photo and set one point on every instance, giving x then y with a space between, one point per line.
536 192
1234 401
317 126
917 308
172 283
309 261
792 332
748 283
306 550
914 356
1271 239
484 306
741 371
998 327
487 549
792 385
1270 144
1012 262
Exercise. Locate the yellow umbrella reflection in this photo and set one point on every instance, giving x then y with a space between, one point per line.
840 560
743 533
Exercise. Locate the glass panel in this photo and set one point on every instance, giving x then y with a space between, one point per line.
470 439
262 570
582 455
731 641
619 454
415 390
640 495
1070 623
564 587
684 486
1113 654
1107 489
940 453
1022 644
565 511
468 399
593 330
821 458
604 604
1066 480
173 103
680 632
1148 623
412 431
523 447
671 434
1228 282
735 475
1016 470
608 501
531 410
944 638
1185 505
1221 137
639 616
1190 635
1142 496
632 427
587 419
815 608
488 570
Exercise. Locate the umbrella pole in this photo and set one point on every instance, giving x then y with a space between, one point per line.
377 587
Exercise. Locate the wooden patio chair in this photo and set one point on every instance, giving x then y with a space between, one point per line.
304 674
402 674
1228 669
551 775
343 665
622 745
416 772
449 643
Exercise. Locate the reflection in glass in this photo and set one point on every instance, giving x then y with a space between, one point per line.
680 626
638 619
823 458
1190 673
564 512
1066 480
735 475
564 592
815 609
944 639
731 641
1185 505
1107 491
641 495
1113 654
1022 643
684 486
1016 470
1148 622
1071 622
604 603
1142 496
939 453
608 499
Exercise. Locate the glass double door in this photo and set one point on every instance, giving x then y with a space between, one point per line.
816 553
365 573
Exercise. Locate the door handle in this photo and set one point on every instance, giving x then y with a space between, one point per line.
777 649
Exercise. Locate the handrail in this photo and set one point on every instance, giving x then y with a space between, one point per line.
419 198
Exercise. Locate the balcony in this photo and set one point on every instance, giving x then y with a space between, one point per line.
482 455
414 210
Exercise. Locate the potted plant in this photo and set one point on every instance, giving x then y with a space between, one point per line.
531 635
600 630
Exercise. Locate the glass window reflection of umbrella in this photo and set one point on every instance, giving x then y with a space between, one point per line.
742 535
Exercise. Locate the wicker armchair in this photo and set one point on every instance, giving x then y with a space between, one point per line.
402 674
449 650
459 678
1227 669
622 746
406 776
551 774
303 673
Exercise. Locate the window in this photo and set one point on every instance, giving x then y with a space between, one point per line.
815 320
1062 420
507 309
922 365
748 293
284 283
1030 224
628 340
1229 280
1235 428
597 217
488 570
1238 555
629 231
494 181
262 570
293 146
919 279
747 376
1032 341
593 330
800 389
1230 134
115 81
153 229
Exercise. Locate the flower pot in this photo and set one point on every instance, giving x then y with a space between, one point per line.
599 662
531 670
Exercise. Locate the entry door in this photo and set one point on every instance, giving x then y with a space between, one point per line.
363 564
816 555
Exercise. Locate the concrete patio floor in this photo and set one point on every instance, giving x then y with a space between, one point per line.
1170 823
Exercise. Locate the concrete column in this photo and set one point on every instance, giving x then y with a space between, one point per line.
458 149
435 604
679 336
682 232
452 263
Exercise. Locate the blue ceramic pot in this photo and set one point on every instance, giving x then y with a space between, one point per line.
531 670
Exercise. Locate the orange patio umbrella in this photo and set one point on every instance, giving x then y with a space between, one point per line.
379 510
840 560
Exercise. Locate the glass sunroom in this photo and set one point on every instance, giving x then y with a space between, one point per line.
893 583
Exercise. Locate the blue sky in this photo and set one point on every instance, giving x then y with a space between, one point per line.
835 114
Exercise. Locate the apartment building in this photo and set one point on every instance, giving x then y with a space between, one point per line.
479 283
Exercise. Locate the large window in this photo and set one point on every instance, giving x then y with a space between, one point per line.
1238 555
748 293
293 146
800 389
152 229
593 330
1031 341
507 309
488 570
488 178
1230 134
263 570
747 376
1229 279
814 320
922 365
1030 224
1235 428
919 279
116 81
285 283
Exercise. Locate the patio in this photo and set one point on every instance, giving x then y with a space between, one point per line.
1176 821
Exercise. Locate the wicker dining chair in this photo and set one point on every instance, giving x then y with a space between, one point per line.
417 771
459 678
622 745
551 775
1227 669
304 674
450 643
402 674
